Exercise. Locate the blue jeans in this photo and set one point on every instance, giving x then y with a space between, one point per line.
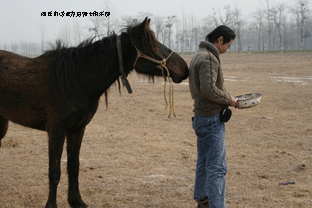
211 161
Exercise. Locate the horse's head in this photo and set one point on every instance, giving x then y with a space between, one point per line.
153 58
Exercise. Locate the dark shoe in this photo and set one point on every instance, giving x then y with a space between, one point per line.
203 203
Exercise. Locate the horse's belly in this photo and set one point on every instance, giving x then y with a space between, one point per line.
33 123
29 116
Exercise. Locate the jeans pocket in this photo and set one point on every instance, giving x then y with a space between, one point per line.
202 126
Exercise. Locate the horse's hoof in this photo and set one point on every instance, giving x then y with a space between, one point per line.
78 204
50 205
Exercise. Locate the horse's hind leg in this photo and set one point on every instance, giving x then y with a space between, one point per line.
4 123
73 149
56 142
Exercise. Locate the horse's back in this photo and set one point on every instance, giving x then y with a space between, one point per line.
7 56
23 89
20 72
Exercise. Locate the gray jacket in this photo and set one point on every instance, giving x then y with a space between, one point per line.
206 82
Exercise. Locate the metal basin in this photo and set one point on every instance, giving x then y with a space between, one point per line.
248 100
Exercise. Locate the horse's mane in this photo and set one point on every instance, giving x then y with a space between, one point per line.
87 43
66 66
148 45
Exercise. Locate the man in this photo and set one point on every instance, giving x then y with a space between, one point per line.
210 98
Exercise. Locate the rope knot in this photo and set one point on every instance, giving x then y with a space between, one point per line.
163 62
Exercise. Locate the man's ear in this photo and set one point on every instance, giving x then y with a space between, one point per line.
221 40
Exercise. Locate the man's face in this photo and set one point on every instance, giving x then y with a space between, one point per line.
222 47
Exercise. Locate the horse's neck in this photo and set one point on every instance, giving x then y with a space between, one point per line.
104 73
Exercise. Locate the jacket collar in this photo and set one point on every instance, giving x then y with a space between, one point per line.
210 47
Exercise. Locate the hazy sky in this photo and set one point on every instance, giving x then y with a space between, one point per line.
20 20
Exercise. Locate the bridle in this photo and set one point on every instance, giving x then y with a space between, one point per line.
161 65
124 80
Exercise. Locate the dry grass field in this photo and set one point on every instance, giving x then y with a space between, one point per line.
134 156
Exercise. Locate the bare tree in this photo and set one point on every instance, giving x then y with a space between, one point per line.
258 17
127 20
178 35
196 33
278 16
110 20
4 46
14 47
193 32
77 31
285 27
180 38
217 18
223 18
238 24
164 35
301 12
268 16
170 21
65 35
158 21
97 26
42 31
208 25
184 34
274 35
305 36
105 21
141 16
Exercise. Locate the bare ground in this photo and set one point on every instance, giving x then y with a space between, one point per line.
134 156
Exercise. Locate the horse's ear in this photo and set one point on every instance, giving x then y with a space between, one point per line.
149 21
142 27
146 23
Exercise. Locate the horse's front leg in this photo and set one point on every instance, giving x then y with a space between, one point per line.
73 149
3 127
56 143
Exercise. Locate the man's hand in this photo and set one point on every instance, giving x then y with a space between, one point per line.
234 102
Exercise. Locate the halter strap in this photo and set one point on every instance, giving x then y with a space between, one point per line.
124 80
162 66
141 55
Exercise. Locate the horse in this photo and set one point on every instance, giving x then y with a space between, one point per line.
59 91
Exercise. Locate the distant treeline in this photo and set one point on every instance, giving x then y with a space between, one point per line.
272 27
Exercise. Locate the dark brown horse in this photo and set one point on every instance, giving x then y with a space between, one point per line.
58 92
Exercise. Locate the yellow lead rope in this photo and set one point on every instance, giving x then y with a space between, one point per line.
171 98
162 65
